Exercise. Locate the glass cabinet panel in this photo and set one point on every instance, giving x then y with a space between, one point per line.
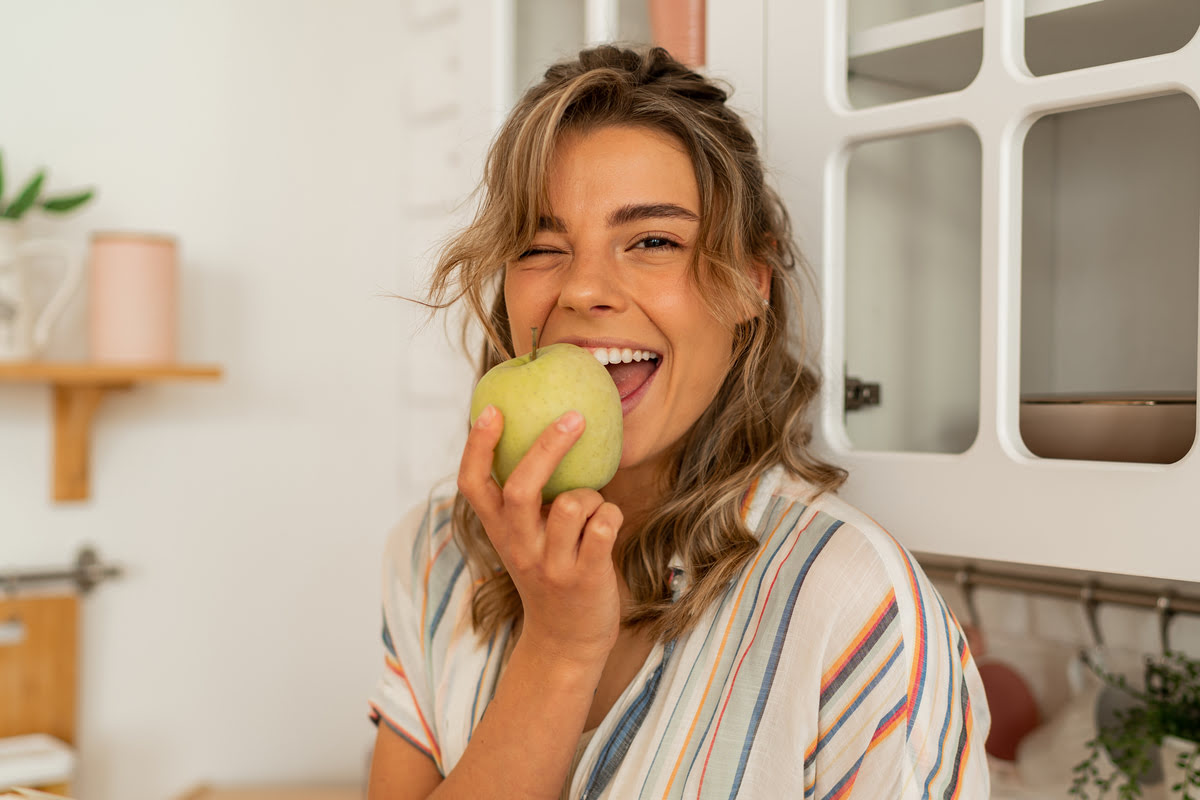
902 49
1109 281
1086 33
912 290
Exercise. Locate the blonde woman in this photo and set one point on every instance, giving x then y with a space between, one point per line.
714 622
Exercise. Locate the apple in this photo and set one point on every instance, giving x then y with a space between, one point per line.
534 390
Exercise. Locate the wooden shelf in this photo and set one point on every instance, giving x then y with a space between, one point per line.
78 390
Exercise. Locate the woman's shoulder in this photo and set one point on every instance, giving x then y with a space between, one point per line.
421 540
852 560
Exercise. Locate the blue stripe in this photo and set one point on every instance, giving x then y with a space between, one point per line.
858 700
479 686
745 627
776 650
388 643
376 718
682 695
631 722
920 603
847 777
949 708
441 609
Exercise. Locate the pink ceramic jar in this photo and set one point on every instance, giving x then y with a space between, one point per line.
132 297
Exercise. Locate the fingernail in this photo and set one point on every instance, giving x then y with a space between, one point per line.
570 422
485 417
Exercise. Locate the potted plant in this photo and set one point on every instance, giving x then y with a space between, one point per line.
1166 715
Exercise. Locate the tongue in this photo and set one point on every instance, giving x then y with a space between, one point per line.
630 377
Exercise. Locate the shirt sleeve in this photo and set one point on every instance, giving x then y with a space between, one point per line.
403 699
903 713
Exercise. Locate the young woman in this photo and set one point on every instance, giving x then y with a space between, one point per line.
714 622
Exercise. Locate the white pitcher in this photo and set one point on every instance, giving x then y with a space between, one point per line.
24 331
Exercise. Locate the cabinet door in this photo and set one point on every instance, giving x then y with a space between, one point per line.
950 471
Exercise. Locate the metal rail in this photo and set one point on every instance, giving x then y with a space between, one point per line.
86 574
1090 589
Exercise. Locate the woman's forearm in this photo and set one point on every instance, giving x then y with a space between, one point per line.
524 745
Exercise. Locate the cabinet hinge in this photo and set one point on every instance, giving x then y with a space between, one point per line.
861 393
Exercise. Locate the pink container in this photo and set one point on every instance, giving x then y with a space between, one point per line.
132 297
678 25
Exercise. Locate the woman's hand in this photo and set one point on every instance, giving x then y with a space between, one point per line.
560 556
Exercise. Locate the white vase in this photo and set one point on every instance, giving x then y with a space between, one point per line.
1172 748
24 325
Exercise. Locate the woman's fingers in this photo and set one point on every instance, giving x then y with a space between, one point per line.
564 526
475 469
596 544
523 489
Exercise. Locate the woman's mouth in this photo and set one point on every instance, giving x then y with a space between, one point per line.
631 370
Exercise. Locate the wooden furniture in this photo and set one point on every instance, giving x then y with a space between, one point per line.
297 792
78 390
39 671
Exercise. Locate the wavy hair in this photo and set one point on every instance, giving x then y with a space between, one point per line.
759 416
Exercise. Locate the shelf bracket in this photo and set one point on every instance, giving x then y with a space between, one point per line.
74 408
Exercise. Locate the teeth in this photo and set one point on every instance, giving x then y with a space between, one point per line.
625 355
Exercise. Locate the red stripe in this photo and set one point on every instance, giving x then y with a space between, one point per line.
377 714
855 645
887 726
395 667
746 651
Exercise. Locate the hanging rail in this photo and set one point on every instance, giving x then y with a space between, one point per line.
1086 588
86 574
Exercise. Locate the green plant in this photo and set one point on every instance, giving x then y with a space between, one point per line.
30 196
1168 705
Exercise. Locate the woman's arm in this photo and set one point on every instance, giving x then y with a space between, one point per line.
561 563
521 748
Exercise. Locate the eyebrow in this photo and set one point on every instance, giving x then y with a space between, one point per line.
626 214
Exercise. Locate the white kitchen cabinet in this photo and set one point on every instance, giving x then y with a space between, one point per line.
983 233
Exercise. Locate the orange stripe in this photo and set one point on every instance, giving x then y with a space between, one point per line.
409 737
745 652
395 667
859 638
890 726
748 497
919 654
962 766
865 687
725 638
425 590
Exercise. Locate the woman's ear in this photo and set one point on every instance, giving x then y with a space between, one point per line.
760 273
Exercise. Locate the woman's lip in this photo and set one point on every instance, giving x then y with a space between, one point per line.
619 344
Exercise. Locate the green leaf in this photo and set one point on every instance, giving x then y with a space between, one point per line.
26 198
1 181
61 205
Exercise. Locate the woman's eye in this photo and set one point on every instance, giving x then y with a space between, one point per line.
657 243
535 251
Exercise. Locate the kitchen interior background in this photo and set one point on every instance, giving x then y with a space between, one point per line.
298 149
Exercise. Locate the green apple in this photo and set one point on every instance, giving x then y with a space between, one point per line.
534 390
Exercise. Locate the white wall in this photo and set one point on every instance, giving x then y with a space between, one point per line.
273 139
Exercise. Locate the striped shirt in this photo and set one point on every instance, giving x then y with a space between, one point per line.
830 668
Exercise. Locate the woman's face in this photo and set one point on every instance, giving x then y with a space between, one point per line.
608 271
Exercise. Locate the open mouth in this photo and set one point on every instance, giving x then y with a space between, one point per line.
631 370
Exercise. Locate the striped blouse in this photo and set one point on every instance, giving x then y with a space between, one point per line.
830 668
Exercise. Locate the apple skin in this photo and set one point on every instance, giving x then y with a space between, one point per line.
532 393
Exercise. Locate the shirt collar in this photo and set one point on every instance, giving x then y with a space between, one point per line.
754 503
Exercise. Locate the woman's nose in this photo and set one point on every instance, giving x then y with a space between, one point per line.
590 284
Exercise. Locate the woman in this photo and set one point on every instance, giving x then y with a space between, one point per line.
714 622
